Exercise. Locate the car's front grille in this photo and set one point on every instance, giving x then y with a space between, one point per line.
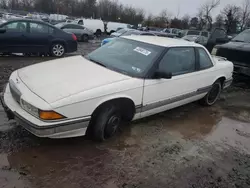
16 94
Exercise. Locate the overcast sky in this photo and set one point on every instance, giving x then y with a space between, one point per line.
185 6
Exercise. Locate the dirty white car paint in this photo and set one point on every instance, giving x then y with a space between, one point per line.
72 88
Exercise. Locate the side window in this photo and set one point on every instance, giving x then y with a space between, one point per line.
80 22
205 61
67 26
16 27
178 61
77 27
148 34
40 28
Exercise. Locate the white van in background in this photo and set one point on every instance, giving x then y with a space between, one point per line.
113 26
97 26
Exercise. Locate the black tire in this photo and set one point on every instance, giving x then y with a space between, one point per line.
106 122
85 38
57 50
98 33
213 95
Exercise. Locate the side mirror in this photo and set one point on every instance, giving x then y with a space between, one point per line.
164 75
2 30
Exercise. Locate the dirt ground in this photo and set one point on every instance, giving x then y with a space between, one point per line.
191 146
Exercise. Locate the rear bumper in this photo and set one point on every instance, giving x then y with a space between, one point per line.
62 129
71 46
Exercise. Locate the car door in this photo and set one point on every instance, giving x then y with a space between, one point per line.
162 94
39 37
13 37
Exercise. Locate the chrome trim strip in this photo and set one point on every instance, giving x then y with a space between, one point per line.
173 100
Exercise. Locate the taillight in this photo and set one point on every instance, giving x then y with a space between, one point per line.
74 37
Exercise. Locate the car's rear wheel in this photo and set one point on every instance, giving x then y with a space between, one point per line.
57 50
85 38
106 122
213 95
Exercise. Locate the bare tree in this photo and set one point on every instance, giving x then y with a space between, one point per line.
244 14
219 21
232 15
206 10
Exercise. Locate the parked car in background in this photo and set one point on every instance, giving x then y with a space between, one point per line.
97 26
196 32
138 76
172 30
113 26
125 32
196 38
237 51
128 32
33 36
82 33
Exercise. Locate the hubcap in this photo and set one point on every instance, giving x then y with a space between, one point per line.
112 125
58 50
213 94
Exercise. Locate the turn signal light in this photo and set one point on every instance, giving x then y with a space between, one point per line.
50 115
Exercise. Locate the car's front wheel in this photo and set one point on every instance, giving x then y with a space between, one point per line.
213 95
57 50
106 122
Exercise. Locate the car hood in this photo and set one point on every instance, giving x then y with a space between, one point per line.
235 45
58 79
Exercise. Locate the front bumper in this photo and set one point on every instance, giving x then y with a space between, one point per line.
59 129
238 69
227 83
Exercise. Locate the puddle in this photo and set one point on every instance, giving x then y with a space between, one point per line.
8 177
231 133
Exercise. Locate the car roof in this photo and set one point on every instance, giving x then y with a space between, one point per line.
161 41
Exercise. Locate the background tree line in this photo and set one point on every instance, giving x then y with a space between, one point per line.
231 17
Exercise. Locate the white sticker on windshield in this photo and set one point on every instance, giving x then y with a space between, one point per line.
142 51
136 69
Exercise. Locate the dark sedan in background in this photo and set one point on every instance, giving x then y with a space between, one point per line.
82 33
238 51
32 37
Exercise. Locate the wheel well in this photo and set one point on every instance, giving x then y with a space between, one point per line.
222 80
126 106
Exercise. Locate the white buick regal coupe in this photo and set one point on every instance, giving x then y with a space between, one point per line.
127 79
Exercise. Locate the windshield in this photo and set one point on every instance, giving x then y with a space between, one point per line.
193 33
126 56
243 36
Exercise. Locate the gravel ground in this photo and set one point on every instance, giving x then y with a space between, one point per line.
191 146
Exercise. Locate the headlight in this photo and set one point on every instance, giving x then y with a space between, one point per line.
41 114
214 51
30 108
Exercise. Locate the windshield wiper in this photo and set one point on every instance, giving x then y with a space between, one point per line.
237 41
96 62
